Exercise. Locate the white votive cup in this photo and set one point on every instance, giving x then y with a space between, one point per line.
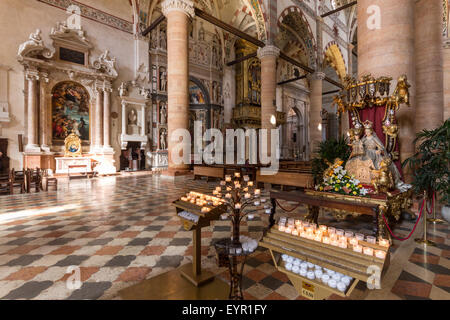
325 278
340 232
348 234
318 274
295 269
303 272
380 254
371 240
289 266
284 257
304 265
359 236
368 251
332 284
310 275
341 286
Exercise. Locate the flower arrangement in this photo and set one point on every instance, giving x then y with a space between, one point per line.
337 180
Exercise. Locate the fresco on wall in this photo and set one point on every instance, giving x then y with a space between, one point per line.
196 94
70 111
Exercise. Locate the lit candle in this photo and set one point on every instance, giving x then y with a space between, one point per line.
228 196
237 206
380 254
303 234
298 222
334 243
340 232
238 186
237 174
331 230
354 241
288 230
323 228
228 178
343 244
384 243
295 232
257 203
250 183
263 200
247 196
205 209
318 238
268 211
281 228
343 239
251 216
245 189
326 240
215 192
229 189
368 251
222 183
334 236
258 192
246 178
357 248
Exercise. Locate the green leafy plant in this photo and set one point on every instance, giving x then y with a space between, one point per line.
431 163
329 151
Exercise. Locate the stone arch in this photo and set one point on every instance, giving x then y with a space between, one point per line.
293 19
334 57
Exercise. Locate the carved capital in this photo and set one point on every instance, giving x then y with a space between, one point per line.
32 75
316 76
107 87
268 50
185 6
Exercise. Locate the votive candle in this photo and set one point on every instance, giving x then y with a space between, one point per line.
357 248
323 228
331 230
354 241
368 251
371 240
303 234
360 236
334 243
295 232
340 232
281 228
318 238
348 234
326 240
383 243
380 254
343 244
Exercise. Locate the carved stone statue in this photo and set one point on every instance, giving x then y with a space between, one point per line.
106 64
163 80
162 140
201 32
123 89
163 39
34 46
163 114
133 128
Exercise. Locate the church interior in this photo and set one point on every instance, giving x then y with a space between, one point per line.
224 150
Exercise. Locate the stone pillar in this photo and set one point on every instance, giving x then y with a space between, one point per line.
315 117
446 67
178 14
387 49
107 117
98 119
32 117
268 56
45 124
229 91
428 59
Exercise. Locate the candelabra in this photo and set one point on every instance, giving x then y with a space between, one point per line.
242 199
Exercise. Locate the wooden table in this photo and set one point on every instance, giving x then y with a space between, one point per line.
193 271
343 206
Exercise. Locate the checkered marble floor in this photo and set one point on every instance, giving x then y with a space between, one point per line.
121 230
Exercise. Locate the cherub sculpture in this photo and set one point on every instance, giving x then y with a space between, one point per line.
401 93
383 180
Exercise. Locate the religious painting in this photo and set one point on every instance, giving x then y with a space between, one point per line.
70 111
196 94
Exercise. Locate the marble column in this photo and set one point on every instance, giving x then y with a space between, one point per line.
45 124
32 146
229 91
107 118
178 14
386 48
268 56
315 117
98 119
429 65
446 67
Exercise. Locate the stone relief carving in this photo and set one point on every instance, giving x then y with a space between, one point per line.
163 140
163 114
34 47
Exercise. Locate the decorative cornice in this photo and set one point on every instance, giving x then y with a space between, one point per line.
185 6
268 50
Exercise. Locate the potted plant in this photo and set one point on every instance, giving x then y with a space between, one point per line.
327 152
431 165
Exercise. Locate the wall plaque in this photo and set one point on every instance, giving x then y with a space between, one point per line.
73 56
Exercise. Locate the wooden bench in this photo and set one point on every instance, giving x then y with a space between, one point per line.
284 178
209 172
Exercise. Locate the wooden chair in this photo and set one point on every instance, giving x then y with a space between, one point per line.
48 180
17 180
5 184
33 180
